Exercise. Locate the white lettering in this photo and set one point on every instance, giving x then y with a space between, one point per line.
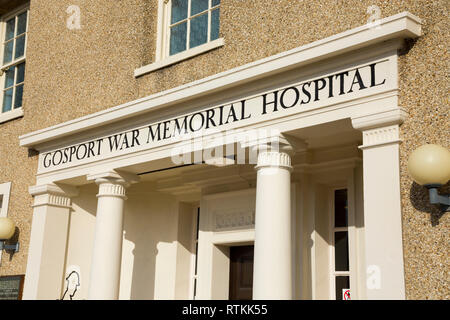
74 20
375 15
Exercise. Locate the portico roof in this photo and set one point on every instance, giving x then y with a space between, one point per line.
400 26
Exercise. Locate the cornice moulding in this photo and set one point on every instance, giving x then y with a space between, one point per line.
391 117
55 189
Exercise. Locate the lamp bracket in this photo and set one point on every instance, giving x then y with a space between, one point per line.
9 247
441 199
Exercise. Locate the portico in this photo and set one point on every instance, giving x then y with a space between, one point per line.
147 198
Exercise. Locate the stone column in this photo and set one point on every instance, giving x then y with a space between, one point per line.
48 241
272 275
385 278
104 281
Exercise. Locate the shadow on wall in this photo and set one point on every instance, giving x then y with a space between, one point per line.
409 44
149 246
149 225
421 201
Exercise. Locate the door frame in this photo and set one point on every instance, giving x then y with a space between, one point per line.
225 221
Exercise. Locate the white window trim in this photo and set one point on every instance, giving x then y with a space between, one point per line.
162 58
194 246
13 113
333 230
5 190
10 115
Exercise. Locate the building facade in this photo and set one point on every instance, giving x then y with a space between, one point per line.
223 149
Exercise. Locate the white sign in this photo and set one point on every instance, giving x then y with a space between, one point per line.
346 294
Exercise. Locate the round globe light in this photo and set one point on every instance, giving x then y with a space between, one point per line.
430 165
7 228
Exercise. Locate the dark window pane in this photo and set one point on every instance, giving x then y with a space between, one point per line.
22 23
340 208
246 272
342 282
215 2
7 100
9 81
199 31
7 54
10 25
178 38
215 24
341 251
179 10
20 47
20 73
18 96
198 6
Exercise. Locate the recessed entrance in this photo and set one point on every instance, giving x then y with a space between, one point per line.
241 273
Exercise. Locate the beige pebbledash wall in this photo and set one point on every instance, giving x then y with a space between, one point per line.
72 73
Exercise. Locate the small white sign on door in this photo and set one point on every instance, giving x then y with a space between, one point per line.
346 294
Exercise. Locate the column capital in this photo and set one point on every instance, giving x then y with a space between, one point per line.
274 149
382 136
113 183
381 128
53 194
114 176
274 159
273 140
395 116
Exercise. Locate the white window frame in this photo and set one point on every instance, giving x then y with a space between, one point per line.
194 245
162 57
5 190
349 229
13 113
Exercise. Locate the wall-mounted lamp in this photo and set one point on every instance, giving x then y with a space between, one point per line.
429 166
7 229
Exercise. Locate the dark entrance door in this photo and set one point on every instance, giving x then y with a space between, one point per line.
241 273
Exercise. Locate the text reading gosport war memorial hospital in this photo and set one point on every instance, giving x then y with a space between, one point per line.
217 117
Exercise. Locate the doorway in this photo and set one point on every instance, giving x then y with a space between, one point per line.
241 273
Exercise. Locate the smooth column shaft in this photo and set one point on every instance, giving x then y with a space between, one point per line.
107 253
272 278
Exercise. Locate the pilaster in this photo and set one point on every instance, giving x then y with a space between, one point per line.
48 241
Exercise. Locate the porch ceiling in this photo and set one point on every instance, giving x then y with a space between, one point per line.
328 134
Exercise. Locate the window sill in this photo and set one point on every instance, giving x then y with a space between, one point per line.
179 57
10 115
13 63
